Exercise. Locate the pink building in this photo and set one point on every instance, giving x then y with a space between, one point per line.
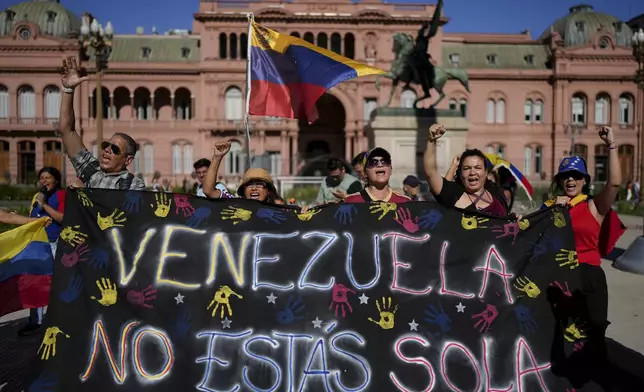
178 93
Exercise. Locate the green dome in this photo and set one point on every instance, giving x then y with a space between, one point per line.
577 28
52 18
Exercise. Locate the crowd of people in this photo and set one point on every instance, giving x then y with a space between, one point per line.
470 184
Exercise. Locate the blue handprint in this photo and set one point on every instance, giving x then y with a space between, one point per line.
344 214
46 382
132 201
98 258
294 307
429 219
439 318
547 243
74 288
271 215
200 215
181 324
524 317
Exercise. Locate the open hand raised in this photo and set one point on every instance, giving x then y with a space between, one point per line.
71 74
435 132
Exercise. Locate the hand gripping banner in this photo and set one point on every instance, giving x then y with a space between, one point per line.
167 292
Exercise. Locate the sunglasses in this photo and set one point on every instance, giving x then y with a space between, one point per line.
374 162
116 150
575 175
257 185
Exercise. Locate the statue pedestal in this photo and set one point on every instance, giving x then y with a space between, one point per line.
403 132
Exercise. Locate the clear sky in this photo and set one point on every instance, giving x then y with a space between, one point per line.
473 16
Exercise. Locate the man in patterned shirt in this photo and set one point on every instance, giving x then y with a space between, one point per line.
110 172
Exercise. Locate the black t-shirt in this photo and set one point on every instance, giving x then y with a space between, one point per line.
354 188
453 191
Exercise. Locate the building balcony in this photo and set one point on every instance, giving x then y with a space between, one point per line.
17 124
116 124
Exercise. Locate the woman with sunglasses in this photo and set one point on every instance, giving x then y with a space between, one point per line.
377 170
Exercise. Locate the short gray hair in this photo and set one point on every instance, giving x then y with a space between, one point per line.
130 145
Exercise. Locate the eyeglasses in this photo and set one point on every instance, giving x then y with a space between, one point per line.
257 185
374 162
116 150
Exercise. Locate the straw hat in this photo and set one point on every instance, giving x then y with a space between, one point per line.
254 174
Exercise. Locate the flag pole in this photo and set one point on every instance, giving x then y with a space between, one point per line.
251 19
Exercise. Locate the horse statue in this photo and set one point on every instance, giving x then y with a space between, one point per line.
412 66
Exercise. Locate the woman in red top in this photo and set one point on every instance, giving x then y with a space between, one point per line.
596 227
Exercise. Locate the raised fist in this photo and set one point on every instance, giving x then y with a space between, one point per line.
435 132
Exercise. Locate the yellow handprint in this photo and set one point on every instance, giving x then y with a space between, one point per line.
163 205
306 216
384 209
524 224
72 236
116 219
386 314
236 214
472 222
108 292
222 299
528 287
574 332
48 345
82 196
569 258
560 220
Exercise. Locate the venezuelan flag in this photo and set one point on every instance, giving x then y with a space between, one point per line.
497 162
26 265
288 74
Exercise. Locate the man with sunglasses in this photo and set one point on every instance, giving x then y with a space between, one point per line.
110 170
377 164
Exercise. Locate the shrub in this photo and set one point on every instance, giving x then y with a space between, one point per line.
17 192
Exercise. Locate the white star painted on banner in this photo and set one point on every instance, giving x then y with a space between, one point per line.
179 298
317 323
271 298
413 326
364 300
460 308
226 323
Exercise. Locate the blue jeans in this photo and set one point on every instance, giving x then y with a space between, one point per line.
36 314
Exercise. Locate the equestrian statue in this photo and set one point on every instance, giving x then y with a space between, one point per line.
413 64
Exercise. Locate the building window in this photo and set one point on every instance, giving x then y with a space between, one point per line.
27 104
538 111
578 109
243 46
323 41
495 149
625 109
234 104
233 46
295 34
185 53
52 103
24 33
407 99
491 59
527 111
336 43
275 163
188 158
618 26
176 159
223 46
4 102
527 161
370 104
452 104
602 109
51 16
500 111
146 52
580 26
455 60
499 150
462 106
148 158
529 59
235 159
604 43
538 159
490 111
349 45
309 37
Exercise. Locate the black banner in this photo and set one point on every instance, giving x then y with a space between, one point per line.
165 292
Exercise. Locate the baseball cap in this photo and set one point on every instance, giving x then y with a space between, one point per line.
411 181
376 152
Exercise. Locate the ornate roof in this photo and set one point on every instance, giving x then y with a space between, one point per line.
52 18
582 22
495 56
158 49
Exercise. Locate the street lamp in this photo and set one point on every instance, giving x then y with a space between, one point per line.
93 34
633 259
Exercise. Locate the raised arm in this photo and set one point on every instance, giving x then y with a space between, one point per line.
70 80
436 20
434 179
15 219
605 199
451 173
210 181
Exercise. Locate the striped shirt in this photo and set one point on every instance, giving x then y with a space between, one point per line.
89 171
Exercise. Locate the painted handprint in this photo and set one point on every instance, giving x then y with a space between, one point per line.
76 255
578 346
182 204
430 218
141 298
575 332
291 312
181 325
308 215
72 235
486 318
473 222
82 197
163 204
383 209
340 299
98 258
221 300
525 319
116 219
46 382
568 258
528 287
200 216
510 229
271 215
236 214
405 219
558 218
74 287
386 312
133 201
438 317
108 292
344 214
547 243
524 224
565 291
48 345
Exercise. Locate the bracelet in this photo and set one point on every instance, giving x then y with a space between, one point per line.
68 90
613 147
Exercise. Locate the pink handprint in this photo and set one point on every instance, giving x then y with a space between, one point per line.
507 230
486 317
578 346
405 219
566 291
340 299
182 204
70 259
141 297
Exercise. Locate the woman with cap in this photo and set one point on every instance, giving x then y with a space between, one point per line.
471 190
597 228
257 184
377 167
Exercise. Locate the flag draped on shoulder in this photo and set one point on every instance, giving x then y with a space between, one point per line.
289 74
26 265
